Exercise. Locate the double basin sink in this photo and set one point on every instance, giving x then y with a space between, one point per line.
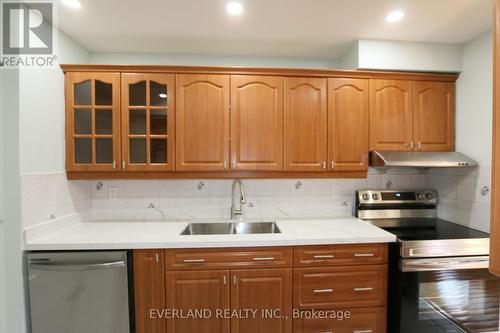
231 228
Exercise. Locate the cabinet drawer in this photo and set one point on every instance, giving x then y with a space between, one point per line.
338 287
357 320
358 254
227 258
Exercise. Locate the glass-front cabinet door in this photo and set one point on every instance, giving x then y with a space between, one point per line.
92 121
148 122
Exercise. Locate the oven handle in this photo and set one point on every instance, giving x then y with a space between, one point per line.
440 264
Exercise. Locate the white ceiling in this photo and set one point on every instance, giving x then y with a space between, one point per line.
295 28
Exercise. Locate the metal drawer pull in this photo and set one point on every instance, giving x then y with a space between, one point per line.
326 256
324 331
322 291
68 267
363 289
363 331
193 260
263 258
363 255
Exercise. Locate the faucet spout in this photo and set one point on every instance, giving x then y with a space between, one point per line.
237 211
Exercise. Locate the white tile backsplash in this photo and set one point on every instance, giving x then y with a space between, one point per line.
52 195
461 198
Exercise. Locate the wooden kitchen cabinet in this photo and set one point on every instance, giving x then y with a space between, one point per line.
148 122
391 116
256 123
198 290
434 116
348 112
149 290
92 122
202 122
264 290
305 124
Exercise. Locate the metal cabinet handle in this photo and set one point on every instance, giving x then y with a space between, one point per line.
225 164
363 254
123 165
114 164
193 260
324 331
323 291
419 145
324 164
362 331
332 164
225 280
263 258
411 145
87 267
324 256
363 289
157 257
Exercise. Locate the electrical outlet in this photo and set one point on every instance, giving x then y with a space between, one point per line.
113 194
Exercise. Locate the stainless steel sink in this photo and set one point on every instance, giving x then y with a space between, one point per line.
231 228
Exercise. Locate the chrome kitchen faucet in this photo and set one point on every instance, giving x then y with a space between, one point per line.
237 211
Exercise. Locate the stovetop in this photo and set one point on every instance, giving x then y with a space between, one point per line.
428 229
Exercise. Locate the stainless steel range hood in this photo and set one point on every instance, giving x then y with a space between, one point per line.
393 159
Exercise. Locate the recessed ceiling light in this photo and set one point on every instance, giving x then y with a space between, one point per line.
234 8
395 16
72 3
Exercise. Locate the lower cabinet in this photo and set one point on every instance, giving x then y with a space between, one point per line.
149 290
201 291
266 290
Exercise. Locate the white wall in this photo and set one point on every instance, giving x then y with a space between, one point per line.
403 56
460 190
42 111
15 314
207 60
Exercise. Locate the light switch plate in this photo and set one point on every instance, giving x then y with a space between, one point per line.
113 194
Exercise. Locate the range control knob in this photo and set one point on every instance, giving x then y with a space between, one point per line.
420 196
366 197
375 196
430 196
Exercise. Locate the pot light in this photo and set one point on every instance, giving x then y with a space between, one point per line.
72 3
162 95
395 16
234 8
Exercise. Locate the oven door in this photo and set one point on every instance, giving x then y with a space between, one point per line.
444 295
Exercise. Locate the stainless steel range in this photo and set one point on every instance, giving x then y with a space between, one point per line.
439 279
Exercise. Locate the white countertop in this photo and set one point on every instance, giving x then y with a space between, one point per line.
144 235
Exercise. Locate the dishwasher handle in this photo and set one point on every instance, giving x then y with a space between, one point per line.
72 267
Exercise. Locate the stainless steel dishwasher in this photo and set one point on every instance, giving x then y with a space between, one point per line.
79 292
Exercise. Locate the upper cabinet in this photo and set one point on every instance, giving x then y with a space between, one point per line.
92 121
412 115
348 112
256 123
305 124
202 122
183 122
434 116
390 115
148 119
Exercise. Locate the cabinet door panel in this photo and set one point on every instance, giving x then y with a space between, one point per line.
261 290
149 290
256 123
305 124
390 115
202 122
148 118
92 121
348 124
193 290
434 116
